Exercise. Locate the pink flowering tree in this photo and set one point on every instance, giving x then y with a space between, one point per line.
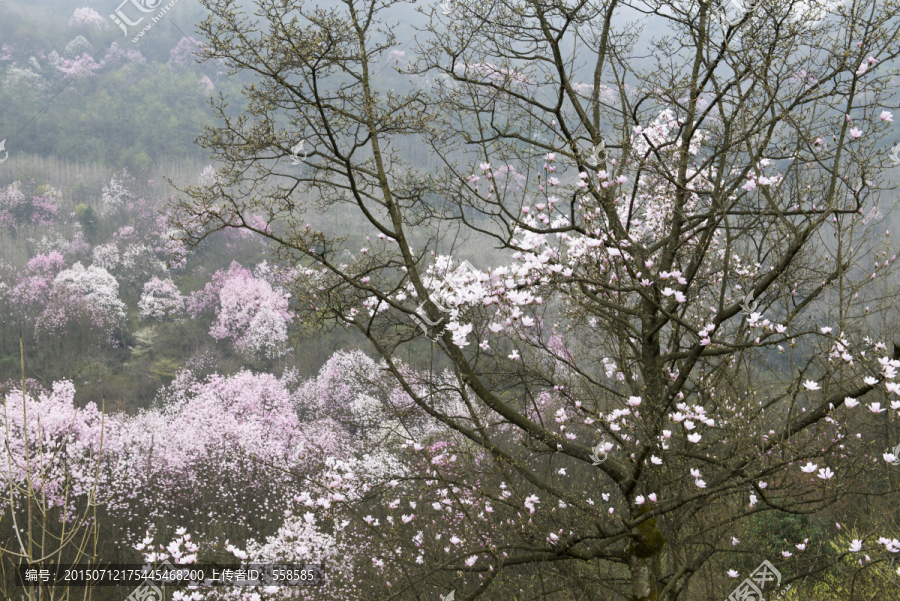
248 311
208 456
227 434
343 436
184 54
679 333
19 209
50 474
81 67
212 451
118 56
54 426
57 304
26 290
132 255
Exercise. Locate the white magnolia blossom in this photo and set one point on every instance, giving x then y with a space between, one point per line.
97 286
160 298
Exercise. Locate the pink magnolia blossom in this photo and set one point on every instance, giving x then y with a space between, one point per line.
117 56
502 300
51 262
52 420
78 68
253 315
184 54
20 209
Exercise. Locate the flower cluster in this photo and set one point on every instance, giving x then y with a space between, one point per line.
160 299
249 312
87 17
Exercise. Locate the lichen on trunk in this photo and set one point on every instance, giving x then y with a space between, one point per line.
643 554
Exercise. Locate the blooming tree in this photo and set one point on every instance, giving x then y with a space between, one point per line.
337 441
160 299
206 85
184 54
96 285
77 47
117 56
50 473
18 209
249 312
116 193
80 67
87 17
223 444
106 256
211 453
52 300
676 334
54 426
208 175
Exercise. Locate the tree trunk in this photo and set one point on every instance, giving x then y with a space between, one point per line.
643 555
644 576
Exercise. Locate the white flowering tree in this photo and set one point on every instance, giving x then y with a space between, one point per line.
116 193
676 337
87 18
161 298
95 285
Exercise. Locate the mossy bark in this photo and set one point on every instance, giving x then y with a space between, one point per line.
643 555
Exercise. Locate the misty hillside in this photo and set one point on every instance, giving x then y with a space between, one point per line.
402 301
